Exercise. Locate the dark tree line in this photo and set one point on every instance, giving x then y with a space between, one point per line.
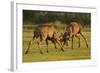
38 17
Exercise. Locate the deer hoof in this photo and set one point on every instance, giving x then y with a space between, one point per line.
87 46
41 52
47 51
26 52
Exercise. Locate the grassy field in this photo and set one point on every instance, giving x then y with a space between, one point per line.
55 54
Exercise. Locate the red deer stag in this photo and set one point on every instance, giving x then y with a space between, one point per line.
72 31
45 32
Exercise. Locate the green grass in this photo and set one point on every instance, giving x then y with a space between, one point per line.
55 54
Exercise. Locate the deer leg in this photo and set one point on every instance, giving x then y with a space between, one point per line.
47 44
55 45
39 46
84 39
78 40
72 40
29 44
60 45
67 42
64 42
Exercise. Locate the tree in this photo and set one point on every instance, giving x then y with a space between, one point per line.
38 17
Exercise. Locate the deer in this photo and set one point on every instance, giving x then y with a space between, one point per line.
73 30
45 32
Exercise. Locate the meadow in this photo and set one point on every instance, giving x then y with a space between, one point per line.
34 55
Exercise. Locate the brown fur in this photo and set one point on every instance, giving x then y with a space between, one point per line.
45 32
73 30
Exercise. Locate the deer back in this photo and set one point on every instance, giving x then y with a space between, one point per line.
45 31
74 28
